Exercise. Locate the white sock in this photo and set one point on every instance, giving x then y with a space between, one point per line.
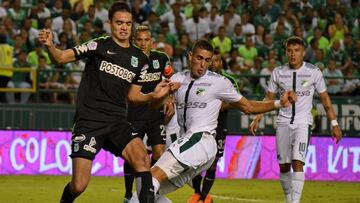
298 179
156 185
285 180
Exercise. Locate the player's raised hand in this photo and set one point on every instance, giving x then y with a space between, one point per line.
46 37
254 126
174 86
162 89
336 133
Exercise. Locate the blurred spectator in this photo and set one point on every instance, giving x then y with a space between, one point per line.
162 45
153 23
139 14
264 81
17 14
339 55
281 20
351 86
177 28
33 33
77 11
42 11
19 45
323 42
6 61
9 27
58 22
319 60
248 51
337 29
19 80
273 9
56 9
170 38
196 27
174 12
161 7
222 42
333 84
234 17
45 79
89 17
214 20
33 56
234 56
262 17
237 38
259 36
212 3
310 50
227 23
191 7
3 8
247 27
100 11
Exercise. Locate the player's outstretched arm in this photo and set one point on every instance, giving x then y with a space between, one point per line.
255 123
335 129
256 107
58 56
156 98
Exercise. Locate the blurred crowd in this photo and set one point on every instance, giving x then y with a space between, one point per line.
248 33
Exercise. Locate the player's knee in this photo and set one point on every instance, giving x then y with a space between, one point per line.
141 162
78 187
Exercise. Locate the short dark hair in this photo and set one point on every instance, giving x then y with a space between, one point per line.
142 28
203 44
118 6
295 40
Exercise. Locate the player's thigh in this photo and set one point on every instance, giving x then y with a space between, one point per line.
87 139
156 132
300 136
194 149
81 170
283 144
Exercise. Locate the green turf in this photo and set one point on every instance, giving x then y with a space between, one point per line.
110 190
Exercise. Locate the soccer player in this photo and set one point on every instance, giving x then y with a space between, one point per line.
144 118
294 122
202 186
111 77
198 102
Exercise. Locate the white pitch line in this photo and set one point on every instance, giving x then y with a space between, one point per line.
242 199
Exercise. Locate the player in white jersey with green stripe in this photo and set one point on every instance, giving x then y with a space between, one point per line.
198 102
293 122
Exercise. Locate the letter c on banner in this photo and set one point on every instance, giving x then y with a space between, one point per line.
16 166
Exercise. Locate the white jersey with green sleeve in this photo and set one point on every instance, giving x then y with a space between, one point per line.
304 81
198 101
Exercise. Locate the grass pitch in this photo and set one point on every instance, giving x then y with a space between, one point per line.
23 189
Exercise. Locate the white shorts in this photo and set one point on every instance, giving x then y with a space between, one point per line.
186 158
172 134
291 142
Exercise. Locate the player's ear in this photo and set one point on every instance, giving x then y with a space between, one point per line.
190 55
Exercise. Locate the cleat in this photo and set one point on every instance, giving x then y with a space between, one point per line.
126 200
194 198
208 199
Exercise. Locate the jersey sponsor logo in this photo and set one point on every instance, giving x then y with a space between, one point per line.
284 76
192 105
117 71
298 93
90 147
145 67
200 92
148 77
156 64
79 138
203 84
134 61
92 45
304 76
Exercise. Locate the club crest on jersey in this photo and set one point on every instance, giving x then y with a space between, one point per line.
156 64
304 83
134 61
92 45
200 91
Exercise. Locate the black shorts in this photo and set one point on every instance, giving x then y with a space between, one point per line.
154 129
90 137
220 141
